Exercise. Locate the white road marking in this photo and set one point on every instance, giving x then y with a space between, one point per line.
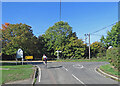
39 73
78 79
65 69
98 72
78 66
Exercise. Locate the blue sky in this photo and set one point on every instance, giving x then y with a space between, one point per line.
83 17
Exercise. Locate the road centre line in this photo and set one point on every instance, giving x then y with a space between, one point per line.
39 73
78 80
75 77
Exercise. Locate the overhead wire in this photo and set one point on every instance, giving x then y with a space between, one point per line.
104 28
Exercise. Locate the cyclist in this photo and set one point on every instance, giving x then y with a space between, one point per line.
45 59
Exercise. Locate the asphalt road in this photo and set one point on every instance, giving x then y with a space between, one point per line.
72 73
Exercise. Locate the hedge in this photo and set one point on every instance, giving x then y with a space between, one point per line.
113 56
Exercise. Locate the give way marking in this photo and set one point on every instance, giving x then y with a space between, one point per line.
78 66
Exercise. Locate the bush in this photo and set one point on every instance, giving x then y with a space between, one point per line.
101 52
113 55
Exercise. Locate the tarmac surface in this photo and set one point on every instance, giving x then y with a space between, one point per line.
72 73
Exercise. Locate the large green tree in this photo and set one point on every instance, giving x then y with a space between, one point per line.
56 36
97 49
113 36
74 49
15 36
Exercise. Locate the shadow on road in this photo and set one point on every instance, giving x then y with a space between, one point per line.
54 67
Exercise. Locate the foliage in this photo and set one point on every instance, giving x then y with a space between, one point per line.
74 48
15 36
60 37
97 49
56 36
113 37
113 55
101 52
41 47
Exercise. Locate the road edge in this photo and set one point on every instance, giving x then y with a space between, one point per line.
34 75
108 75
39 70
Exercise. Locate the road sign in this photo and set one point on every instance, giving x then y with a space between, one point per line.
28 57
19 53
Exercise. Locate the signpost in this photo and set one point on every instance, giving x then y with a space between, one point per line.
28 57
58 53
19 54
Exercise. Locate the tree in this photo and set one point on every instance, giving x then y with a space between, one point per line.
56 36
74 49
15 36
113 37
95 47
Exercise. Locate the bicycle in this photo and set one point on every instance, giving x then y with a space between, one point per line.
45 62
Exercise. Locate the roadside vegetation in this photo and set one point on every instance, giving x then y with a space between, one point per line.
83 60
16 72
60 37
110 70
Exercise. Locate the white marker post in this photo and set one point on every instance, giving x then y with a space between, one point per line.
58 53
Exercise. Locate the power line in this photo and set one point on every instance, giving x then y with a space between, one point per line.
97 34
104 27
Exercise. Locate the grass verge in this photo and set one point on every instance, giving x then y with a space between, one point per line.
110 70
82 60
16 72
17 66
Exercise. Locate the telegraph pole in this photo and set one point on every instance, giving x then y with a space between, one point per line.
89 42
85 38
89 45
60 10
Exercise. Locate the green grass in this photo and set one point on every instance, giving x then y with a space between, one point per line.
0 77
82 60
17 66
16 72
108 69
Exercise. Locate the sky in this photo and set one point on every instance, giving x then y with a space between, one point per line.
83 17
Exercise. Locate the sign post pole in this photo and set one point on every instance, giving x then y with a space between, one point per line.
58 54
22 61
16 61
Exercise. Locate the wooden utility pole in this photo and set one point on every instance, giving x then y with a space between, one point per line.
89 45
60 10
85 38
